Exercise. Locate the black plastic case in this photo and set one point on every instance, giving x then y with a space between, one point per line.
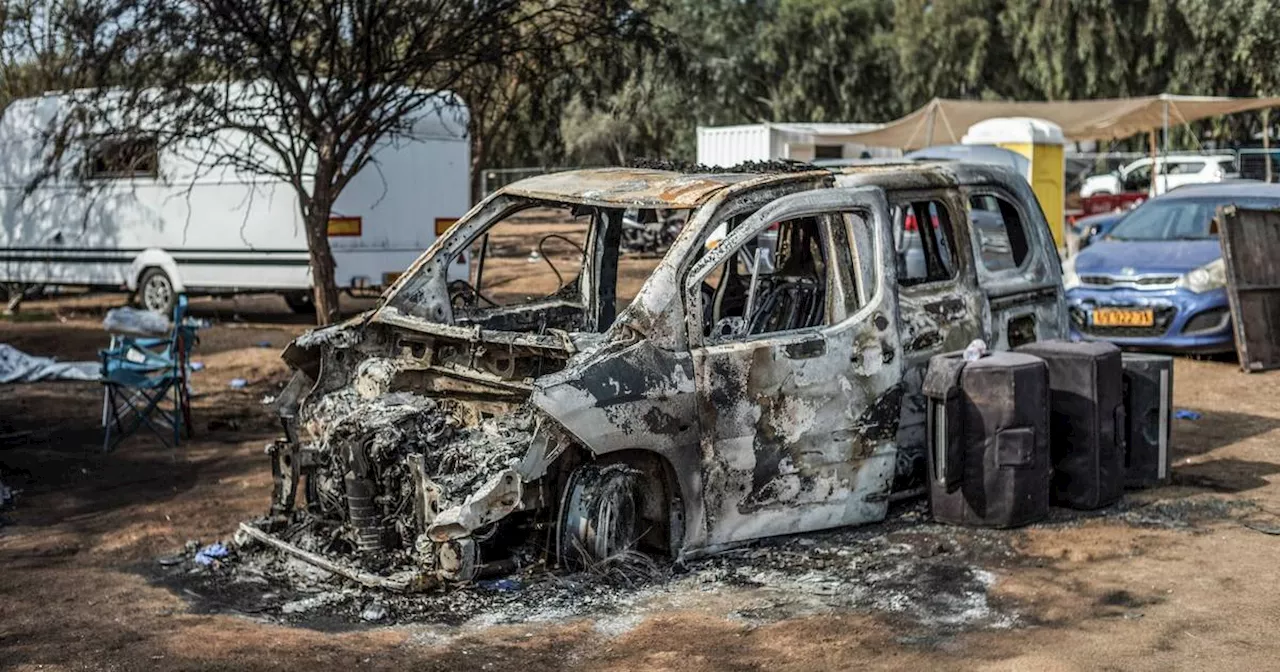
1148 399
988 424
1087 426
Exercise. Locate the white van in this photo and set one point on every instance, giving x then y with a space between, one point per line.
160 221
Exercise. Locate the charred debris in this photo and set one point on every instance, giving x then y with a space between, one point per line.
377 481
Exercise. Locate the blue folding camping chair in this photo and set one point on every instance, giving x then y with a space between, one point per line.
145 383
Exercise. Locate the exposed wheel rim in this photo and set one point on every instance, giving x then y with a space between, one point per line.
599 514
157 293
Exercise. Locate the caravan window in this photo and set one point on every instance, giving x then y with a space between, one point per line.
114 158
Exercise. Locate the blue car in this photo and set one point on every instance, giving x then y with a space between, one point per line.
1157 280
1089 230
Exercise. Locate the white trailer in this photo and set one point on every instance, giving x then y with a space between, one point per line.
162 220
727 146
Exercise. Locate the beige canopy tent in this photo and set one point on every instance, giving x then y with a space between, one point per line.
944 122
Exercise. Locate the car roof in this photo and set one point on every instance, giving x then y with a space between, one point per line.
1225 189
647 188
634 187
998 156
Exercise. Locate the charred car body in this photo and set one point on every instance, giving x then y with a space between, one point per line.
762 383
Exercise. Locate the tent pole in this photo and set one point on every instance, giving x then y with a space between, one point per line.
1266 141
1151 139
1166 128
928 136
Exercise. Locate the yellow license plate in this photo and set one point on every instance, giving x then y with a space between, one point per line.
1123 317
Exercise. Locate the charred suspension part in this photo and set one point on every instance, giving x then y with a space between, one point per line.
360 505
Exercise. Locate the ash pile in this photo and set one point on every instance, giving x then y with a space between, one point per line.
927 577
931 580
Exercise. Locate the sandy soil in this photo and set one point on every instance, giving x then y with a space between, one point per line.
1097 593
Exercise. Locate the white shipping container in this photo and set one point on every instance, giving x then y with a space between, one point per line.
727 146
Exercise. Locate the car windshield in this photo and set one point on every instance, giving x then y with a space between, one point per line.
1172 219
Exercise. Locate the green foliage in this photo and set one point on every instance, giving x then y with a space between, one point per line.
722 62
827 61
1236 46
1077 49
951 50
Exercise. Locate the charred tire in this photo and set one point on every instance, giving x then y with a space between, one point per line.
155 291
302 303
600 514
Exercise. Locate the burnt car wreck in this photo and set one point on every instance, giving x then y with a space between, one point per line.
765 378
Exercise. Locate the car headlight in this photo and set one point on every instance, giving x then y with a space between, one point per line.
1069 278
1211 276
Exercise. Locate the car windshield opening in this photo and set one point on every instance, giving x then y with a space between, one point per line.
541 265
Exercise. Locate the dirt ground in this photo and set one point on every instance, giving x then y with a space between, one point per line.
1100 592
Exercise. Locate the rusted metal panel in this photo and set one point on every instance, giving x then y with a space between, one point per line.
629 187
1250 241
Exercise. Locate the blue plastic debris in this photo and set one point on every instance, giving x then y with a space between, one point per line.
238 383
196 366
1184 414
264 344
502 585
209 553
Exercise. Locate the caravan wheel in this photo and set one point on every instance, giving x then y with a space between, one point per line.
301 303
155 292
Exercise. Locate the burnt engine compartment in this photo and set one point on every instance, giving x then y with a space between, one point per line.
400 450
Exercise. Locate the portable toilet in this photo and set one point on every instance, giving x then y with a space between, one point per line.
1042 143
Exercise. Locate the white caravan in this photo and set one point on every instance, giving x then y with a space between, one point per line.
162 221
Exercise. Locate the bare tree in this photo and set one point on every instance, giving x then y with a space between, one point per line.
310 88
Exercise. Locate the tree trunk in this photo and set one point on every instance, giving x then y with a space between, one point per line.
323 283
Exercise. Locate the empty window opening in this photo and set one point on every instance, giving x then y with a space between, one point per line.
924 241
775 282
1138 179
1002 236
529 256
646 236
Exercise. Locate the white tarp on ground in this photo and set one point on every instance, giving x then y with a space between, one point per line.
17 366
944 122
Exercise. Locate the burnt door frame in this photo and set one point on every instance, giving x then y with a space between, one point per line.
1033 290
934 317
798 427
